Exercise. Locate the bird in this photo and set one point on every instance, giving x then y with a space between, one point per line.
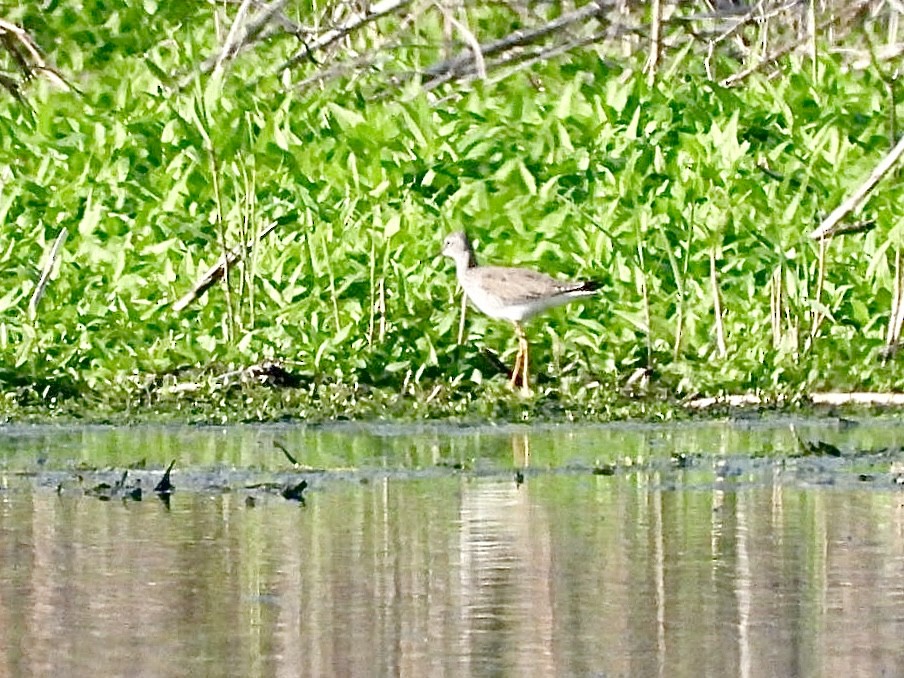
510 293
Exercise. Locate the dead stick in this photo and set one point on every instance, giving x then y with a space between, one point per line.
857 197
655 41
218 270
829 398
818 314
12 35
717 304
327 38
444 71
253 32
461 321
896 321
782 51
45 273
232 41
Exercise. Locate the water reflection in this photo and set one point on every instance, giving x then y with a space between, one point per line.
422 446
563 575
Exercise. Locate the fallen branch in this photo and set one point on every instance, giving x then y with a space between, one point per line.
470 39
24 51
756 14
830 398
279 18
218 270
848 14
233 42
244 32
49 262
655 41
523 60
827 227
461 64
327 38
374 57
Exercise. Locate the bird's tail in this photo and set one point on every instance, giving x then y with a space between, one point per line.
589 286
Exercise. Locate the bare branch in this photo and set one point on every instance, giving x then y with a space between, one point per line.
462 63
232 43
335 34
23 50
655 41
863 190
49 262
242 33
847 14
218 270
473 44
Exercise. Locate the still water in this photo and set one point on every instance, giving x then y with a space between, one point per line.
695 550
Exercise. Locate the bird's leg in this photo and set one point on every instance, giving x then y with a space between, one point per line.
517 366
521 361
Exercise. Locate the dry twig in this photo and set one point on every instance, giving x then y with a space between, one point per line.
218 270
49 262
827 227
655 41
459 65
244 32
847 14
23 50
333 35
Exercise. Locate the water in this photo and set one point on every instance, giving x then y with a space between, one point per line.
417 553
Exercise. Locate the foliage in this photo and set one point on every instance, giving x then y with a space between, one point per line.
577 165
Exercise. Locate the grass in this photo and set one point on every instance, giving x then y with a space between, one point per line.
691 201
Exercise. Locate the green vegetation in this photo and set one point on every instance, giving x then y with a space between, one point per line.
681 191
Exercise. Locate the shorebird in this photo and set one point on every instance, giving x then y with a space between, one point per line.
508 293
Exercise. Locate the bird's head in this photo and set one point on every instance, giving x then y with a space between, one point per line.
457 247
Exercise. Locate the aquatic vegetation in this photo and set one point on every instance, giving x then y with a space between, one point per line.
684 168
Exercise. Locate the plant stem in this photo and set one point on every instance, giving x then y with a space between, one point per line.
224 247
655 41
818 315
717 304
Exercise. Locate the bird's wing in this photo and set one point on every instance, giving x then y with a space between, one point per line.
519 285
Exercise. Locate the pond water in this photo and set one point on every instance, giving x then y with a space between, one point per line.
683 550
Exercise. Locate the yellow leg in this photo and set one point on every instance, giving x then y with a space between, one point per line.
521 361
516 368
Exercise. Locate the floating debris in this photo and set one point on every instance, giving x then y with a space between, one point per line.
279 445
682 460
105 492
134 493
603 470
819 448
165 486
295 492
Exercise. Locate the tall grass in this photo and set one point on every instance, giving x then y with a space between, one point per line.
690 200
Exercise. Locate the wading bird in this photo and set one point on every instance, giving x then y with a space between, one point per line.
508 293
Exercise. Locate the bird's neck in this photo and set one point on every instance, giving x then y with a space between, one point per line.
466 261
